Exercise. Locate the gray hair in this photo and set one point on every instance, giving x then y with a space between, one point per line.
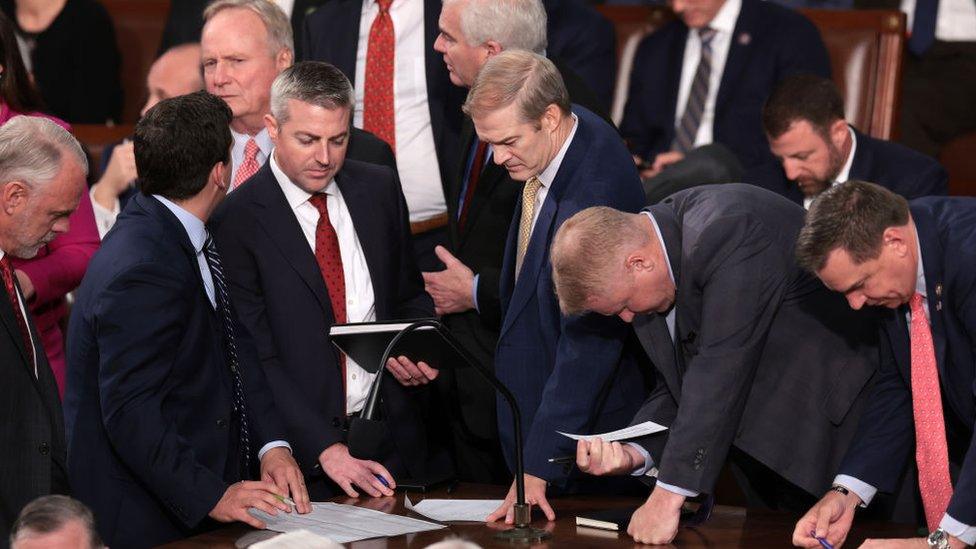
514 24
48 514
32 150
527 79
314 82
275 21
586 249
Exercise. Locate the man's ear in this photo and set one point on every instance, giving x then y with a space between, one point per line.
896 239
220 175
492 48
13 195
838 133
284 59
271 123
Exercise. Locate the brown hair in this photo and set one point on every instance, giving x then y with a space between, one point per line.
527 79
16 89
802 97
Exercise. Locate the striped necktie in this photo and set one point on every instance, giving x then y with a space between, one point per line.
687 129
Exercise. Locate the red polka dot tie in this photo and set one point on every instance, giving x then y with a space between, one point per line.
330 263
378 90
931 449
250 165
8 282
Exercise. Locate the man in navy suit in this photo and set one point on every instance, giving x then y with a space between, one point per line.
680 99
915 258
315 240
166 407
575 375
586 42
815 148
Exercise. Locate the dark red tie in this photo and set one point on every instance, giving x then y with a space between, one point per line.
477 164
378 90
8 282
330 263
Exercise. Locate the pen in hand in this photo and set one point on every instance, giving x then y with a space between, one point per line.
563 459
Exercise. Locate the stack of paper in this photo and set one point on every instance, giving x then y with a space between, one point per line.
344 523
462 510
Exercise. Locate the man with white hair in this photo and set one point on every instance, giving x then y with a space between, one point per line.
42 176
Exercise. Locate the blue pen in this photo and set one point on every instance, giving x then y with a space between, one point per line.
823 542
387 484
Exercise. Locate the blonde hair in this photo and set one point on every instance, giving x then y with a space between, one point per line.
526 79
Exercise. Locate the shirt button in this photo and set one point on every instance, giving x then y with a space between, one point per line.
354 376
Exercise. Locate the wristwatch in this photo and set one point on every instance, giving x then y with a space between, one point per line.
938 539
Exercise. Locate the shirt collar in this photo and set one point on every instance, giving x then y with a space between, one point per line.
261 138
845 172
548 175
295 195
660 239
920 270
724 21
193 225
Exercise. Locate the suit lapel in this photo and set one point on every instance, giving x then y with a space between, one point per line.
863 164
9 319
739 51
346 27
652 331
932 265
358 202
282 228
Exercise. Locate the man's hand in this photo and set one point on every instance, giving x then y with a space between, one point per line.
451 289
535 494
348 471
912 543
26 286
656 522
279 468
409 373
241 496
119 174
830 518
662 161
597 457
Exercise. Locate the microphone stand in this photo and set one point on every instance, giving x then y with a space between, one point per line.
366 425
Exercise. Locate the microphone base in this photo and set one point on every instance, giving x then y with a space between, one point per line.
523 534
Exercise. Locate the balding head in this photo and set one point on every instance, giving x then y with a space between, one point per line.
176 72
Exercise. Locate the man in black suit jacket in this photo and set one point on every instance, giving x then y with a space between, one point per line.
39 191
751 352
760 42
166 407
289 289
586 42
257 31
816 148
338 34
480 208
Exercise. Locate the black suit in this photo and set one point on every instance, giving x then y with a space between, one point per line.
278 289
893 166
153 439
32 430
767 359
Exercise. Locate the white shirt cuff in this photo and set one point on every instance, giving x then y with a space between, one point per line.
964 532
646 467
474 292
677 490
104 217
860 488
270 446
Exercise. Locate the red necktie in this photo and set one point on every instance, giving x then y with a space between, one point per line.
477 164
931 449
378 90
250 165
8 281
330 263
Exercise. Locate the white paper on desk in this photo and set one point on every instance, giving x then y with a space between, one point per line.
634 431
344 523
297 539
461 510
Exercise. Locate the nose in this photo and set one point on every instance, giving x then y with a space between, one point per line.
626 316
322 153
791 168
500 155
439 44
150 103
61 226
677 6
856 300
219 75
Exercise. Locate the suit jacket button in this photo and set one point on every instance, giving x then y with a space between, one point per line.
221 423
44 449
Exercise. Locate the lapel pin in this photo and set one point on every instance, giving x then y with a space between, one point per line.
744 39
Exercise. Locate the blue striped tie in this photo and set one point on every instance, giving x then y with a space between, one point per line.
230 340
687 129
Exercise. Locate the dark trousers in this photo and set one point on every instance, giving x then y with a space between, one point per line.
423 247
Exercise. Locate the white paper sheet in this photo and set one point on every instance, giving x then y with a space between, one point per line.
634 431
298 539
345 523
462 510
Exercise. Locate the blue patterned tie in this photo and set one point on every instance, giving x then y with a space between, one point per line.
230 340
923 26
687 129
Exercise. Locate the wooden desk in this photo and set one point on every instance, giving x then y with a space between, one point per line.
728 527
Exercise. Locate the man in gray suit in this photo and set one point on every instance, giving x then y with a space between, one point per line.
754 358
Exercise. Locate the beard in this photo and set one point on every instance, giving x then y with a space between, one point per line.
835 161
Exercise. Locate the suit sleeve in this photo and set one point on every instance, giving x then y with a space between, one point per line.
138 338
742 278
634 126
661 408
265 423
962 506
489 302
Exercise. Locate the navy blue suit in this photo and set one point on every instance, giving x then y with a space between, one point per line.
585 41
332 35
568 374
152 441
886 437
893 166
277 286
769 43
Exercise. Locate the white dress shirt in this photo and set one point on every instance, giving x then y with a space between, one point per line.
724 25
23 311
843 175
360 301
548 175
865 491
197 233
104 217
955 22
264 143
415 152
